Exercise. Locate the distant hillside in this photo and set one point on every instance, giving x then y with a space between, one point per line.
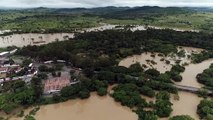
146 11
112 11
203 9
69 19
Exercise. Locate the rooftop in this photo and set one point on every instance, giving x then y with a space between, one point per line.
56 83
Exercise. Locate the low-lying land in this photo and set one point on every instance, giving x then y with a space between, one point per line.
93 58
68 20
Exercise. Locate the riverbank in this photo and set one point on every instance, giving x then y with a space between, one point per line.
24 39
94 108
187 103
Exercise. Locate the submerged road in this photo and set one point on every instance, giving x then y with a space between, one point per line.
190 89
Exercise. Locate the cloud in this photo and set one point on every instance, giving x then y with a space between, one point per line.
101 3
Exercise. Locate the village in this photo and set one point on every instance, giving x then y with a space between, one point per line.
56 75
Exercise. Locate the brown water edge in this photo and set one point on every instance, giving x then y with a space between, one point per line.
21 40
94 108
142 59
191 71
186 105
160 65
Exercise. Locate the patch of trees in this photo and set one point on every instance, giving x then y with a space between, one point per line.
163 104
82 90
56 67
205 109
175 72
128 95
21 94
97 53
206 77
89 46
204 55
160 86
146 90
146 115
181 117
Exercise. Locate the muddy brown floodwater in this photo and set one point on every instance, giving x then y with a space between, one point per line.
105 108
94 108
142 59
187 103
21 40
191 71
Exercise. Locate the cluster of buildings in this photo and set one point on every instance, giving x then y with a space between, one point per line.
54 85
10 71
16 72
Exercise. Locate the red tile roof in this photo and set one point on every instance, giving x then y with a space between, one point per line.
3 69
56 83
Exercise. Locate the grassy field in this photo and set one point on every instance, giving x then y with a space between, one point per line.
197 21
67 20
50 23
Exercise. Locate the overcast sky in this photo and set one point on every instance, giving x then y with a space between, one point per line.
102 3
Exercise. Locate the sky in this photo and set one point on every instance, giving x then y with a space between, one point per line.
103 3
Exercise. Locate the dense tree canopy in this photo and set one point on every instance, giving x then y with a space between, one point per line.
206 77
181 117
205 109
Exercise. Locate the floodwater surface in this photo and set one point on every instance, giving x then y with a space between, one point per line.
94 108
187 103
21 40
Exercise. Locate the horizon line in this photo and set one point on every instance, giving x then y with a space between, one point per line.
34 7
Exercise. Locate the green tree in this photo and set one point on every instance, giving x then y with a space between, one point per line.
102 91
181 117
37 87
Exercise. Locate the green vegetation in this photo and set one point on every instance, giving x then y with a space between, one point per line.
29 117
97 54
34 110
204 55
19 94
163 105
203 93
20 114
205 109
181 117
128 95
175 72
206 77
68 20
36 21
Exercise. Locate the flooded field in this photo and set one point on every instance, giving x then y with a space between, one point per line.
191 71
144 59
157 61
94 108
21 40
187 103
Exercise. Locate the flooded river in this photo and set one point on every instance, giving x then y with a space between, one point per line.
187 103
21 40
143 60
104 108
191 71
94 108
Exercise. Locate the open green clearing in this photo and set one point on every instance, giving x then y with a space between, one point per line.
67 20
